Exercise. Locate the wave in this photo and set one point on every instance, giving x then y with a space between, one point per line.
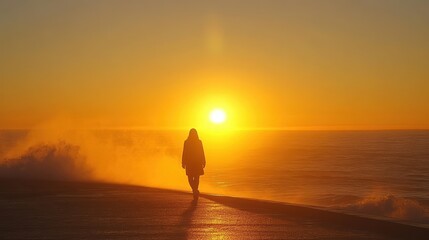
392 207
93 156
56 161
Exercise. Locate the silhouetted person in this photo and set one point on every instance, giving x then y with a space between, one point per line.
193 160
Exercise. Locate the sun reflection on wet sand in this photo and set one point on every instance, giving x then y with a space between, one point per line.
211 220
206 220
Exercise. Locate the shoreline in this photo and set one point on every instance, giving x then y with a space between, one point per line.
70 194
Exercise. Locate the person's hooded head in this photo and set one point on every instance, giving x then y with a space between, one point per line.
193 135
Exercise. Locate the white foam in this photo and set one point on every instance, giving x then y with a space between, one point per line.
391 206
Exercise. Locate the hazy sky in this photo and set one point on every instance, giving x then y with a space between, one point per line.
287 64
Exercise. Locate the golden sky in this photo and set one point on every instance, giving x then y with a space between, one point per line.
166 64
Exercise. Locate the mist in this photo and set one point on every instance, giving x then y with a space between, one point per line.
130 157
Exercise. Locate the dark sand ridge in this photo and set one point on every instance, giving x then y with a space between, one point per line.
73 210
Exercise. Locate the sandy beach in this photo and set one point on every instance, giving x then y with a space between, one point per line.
70 210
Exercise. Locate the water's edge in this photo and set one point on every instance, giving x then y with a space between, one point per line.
291 212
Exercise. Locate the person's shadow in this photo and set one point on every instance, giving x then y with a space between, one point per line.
186 220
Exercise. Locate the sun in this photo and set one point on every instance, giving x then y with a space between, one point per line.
217 116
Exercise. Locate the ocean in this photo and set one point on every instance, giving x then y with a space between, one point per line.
382 174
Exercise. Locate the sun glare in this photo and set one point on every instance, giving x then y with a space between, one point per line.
217 116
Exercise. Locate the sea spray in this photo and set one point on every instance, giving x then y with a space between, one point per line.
59 161
97 155
392 207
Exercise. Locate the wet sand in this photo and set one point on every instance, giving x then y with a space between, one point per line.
70 210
